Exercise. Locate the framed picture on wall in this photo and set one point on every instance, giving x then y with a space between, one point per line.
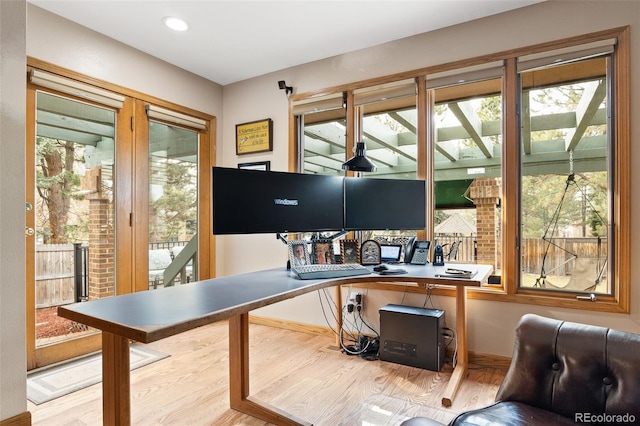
255 136
350 251
257 165
322 252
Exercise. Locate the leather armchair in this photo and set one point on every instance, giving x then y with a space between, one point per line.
563 373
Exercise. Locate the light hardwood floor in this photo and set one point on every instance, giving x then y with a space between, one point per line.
302 373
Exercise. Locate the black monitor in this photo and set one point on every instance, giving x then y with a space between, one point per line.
255 202
381 204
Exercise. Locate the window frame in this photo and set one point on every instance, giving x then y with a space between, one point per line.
509 290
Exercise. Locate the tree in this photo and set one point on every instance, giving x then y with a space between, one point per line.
56 182
178 203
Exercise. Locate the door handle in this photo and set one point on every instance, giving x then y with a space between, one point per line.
30 232
28 207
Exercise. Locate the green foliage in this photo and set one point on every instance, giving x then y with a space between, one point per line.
584 205
57 184
177 207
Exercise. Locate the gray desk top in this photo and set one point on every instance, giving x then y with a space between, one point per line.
153 315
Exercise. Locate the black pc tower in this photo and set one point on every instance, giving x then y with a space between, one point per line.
412 336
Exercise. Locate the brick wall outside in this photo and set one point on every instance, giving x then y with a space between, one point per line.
101 250
485 193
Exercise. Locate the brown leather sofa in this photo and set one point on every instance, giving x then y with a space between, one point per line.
563 373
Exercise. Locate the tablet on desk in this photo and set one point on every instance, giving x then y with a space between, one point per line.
458 273
390 253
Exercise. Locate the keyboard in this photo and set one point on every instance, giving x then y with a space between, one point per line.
313 272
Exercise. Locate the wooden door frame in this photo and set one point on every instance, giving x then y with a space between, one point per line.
130 213
75 346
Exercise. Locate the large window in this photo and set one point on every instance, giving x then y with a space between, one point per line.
525 156
387 123
467 159
566 182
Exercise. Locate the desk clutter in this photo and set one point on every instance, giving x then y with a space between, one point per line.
320 251
328 258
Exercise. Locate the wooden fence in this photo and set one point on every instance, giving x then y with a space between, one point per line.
55 278
557 254
55 283
466 249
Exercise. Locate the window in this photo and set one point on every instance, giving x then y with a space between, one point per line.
322 132
566 184
467 157
388 123
528 151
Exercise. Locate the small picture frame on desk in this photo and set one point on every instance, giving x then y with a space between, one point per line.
350 251
370 253
299 253
322 252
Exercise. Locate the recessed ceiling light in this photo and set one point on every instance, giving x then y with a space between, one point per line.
176 24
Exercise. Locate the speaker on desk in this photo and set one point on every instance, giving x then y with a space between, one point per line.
412 336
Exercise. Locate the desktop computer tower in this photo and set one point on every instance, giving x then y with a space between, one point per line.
412 336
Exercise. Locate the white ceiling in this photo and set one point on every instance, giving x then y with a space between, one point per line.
230 41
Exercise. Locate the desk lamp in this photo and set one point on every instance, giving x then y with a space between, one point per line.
359 162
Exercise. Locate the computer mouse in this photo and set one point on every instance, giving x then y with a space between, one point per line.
380 268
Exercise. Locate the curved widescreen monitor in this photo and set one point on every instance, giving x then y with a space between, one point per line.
381 204
256 202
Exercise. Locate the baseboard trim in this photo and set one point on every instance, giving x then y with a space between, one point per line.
292 325
484 360
23 419
489 360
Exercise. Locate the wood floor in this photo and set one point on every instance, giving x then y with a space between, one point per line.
302 373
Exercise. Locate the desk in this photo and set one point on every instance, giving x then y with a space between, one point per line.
153 315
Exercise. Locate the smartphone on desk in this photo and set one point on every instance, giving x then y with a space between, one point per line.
417 252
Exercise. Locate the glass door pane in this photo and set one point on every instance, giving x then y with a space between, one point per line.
173 205
74 211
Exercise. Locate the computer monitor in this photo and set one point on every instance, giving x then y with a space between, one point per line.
381 204
254 202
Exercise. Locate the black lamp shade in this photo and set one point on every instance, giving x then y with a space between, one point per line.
359 162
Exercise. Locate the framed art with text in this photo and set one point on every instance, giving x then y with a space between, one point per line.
255 136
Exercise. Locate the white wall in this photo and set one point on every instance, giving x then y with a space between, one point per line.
491 324
59 41
13 364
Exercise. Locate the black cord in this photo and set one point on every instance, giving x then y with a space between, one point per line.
351 330
332 311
